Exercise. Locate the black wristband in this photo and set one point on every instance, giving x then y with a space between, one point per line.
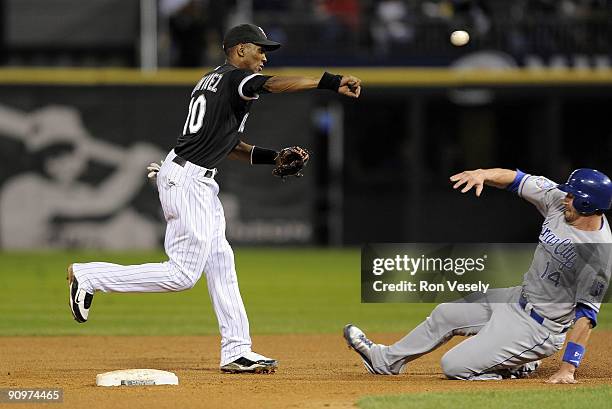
330 81
263 156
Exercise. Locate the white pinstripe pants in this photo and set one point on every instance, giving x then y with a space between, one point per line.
195 242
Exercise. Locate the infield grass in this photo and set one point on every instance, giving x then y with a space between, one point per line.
557 397
285 291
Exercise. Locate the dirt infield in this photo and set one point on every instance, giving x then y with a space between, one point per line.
316 371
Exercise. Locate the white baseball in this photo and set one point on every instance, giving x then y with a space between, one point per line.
459 38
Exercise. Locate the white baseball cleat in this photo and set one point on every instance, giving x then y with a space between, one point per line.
251 362
525 370
358 341
80 300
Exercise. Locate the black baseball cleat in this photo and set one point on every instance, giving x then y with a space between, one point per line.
357 341
251 363
80 300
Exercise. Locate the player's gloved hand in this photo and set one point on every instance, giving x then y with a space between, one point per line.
565 374
290 161
153 170
471 179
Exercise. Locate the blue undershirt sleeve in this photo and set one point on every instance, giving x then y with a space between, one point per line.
513 187
583 310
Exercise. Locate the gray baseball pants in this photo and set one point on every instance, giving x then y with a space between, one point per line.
502 334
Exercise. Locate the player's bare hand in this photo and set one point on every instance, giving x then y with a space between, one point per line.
469 179
350 86
562 376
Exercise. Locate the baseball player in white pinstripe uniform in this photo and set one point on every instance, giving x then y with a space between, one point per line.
195 236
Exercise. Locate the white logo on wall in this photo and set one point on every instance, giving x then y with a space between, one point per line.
262 230
49 206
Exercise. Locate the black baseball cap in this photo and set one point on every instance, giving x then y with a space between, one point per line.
248 33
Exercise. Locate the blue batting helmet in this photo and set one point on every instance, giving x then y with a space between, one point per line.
592 190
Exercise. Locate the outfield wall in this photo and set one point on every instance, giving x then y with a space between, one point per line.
74 144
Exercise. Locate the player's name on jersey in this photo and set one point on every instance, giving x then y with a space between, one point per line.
209 82
426 286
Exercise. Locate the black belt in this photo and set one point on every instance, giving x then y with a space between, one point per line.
179 161
182 161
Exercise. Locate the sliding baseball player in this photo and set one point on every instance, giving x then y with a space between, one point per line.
512 329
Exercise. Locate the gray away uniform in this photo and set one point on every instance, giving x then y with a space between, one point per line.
567 268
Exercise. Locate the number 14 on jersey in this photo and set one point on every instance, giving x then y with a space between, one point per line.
554 276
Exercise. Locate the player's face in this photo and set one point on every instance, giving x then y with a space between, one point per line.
254 57
569 211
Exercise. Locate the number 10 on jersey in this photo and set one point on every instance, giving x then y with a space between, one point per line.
195 117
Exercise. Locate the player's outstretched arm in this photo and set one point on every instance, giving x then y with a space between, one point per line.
577 340
496 177
347 85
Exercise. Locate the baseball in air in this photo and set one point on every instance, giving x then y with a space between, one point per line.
459 38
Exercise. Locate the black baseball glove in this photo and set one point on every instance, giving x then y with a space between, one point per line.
290 161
